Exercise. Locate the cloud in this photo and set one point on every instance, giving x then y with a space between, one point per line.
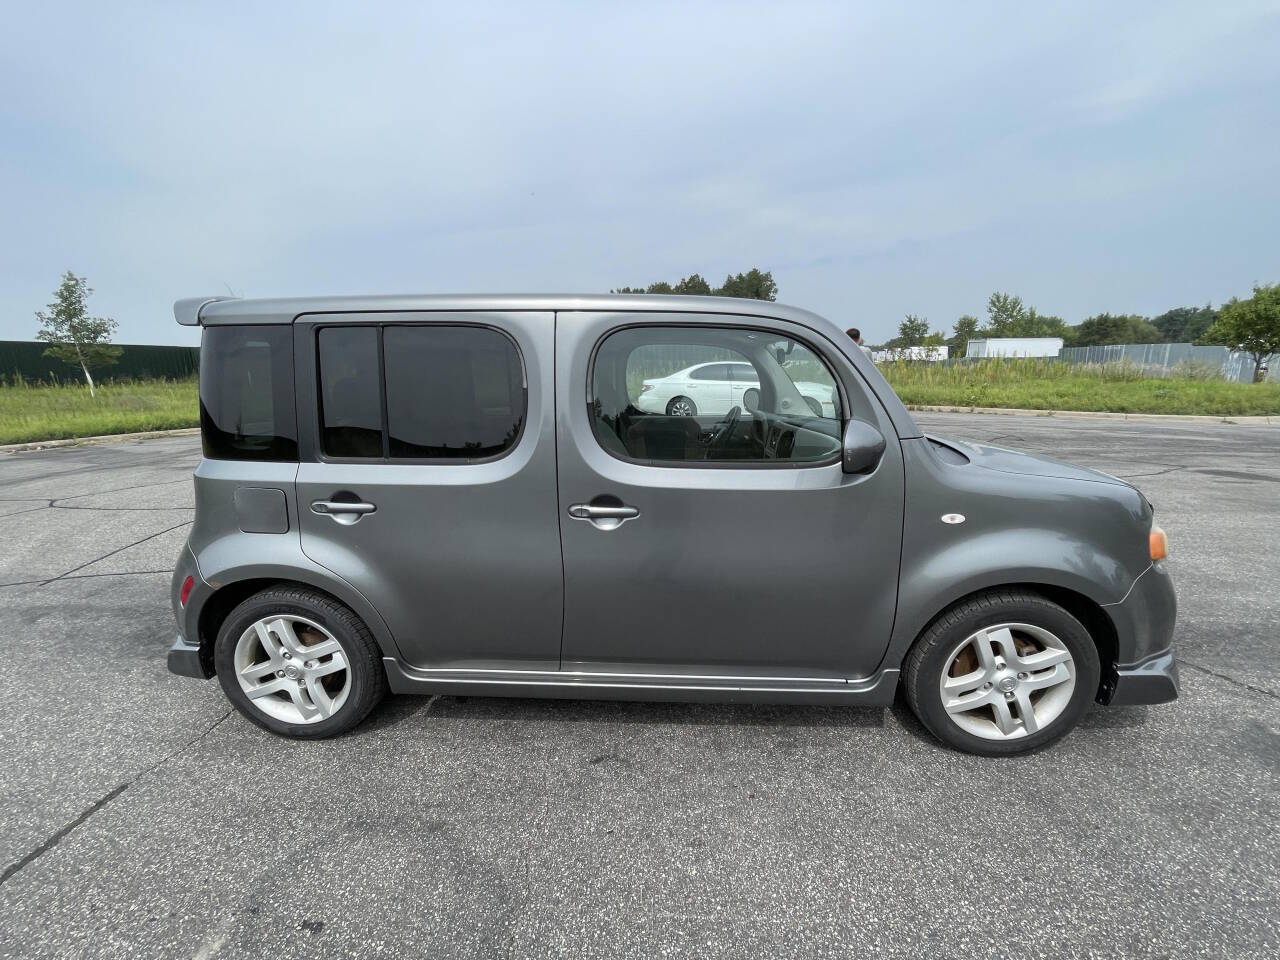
881 162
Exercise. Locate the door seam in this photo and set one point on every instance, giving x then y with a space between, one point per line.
555 446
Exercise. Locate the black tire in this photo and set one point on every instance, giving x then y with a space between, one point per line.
922 669
814 405
671 405
751 400
368 680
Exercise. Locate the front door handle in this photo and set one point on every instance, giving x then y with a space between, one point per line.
605 516
341 511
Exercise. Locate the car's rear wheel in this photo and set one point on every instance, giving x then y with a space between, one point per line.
681 407
299 663
1004 672
751 400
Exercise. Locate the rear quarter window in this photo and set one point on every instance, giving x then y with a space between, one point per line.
445 393
246 393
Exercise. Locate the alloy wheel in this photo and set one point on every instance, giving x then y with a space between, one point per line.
1007 681
292 669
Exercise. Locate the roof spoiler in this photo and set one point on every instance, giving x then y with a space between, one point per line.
187 312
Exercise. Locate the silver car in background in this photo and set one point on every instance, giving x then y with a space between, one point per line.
478 495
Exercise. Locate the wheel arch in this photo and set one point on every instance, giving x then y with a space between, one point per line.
231 588
1088 611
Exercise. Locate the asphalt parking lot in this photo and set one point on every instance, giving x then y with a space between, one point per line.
138 817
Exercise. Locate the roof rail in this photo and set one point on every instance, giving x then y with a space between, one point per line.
187 311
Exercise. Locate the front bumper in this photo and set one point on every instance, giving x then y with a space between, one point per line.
184 660
1145 670
1152 681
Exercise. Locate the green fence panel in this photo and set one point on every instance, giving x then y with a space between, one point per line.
25 359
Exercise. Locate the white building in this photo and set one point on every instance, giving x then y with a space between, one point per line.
910 353
1015 347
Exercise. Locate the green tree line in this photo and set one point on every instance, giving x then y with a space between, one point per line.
753 285
1251 325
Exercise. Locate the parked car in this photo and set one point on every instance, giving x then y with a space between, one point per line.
470 495
713 389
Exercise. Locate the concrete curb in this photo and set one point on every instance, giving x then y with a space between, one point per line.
1099 415
106 438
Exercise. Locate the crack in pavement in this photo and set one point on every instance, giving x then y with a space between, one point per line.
64 831
158 533
87 576
1232 680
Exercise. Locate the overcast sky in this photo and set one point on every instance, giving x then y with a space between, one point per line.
1117 156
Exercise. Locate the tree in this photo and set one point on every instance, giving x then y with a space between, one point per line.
1252 326
913 330
1005 314
1185 324
693 285
1107 328
74 337
752 285
966 329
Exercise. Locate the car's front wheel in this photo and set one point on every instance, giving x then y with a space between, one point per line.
299 663
1004 672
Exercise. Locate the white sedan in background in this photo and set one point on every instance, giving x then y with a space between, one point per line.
714 388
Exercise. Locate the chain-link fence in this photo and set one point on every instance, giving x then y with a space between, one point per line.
1168 359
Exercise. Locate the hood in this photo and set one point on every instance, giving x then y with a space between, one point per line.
1027 464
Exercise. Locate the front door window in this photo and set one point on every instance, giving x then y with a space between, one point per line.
714 394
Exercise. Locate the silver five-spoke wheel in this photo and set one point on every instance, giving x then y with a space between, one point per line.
292 669
1007 681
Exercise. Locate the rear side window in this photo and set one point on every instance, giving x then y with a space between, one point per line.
452 392
246 393
350 400
405 392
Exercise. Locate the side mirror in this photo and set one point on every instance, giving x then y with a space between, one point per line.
780 355
863 447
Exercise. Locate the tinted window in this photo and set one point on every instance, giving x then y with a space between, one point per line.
246 393
350 398
783 404
452 392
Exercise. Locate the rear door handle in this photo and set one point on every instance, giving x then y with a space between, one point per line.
603 516
341 511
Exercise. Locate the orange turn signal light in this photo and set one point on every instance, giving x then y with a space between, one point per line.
1159 544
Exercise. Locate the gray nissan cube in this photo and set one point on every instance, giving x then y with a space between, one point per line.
642 498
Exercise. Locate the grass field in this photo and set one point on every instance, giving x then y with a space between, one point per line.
1049 385
29 413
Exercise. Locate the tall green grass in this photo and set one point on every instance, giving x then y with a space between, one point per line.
29 413
1045 384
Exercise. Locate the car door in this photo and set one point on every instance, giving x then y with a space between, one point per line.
742 378
427 478
773 563
708 387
